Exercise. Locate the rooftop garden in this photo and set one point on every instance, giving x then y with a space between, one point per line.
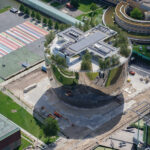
86 64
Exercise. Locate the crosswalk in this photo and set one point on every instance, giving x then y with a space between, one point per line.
19 36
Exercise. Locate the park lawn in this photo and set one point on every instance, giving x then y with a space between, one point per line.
61 78
24 144
144 50
21 117
92 75
4 9
84 5
97 17
113 76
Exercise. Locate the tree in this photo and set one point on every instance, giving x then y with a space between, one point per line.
38 17
125 51
56 25
33 14
22 8
60 61
45 21
75 3
136 13
114 60
27 11
93 7
86 62
50 23
51 127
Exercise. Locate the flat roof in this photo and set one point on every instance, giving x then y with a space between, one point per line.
7 127
87 41
51 11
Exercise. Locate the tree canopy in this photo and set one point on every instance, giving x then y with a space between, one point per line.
51 127
136 13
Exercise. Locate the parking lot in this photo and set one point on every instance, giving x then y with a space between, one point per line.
21 41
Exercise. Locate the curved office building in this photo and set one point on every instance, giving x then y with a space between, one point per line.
128 23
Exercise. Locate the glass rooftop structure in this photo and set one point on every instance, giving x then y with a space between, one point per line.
51 11
7 127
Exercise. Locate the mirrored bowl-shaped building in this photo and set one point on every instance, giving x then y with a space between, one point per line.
85 70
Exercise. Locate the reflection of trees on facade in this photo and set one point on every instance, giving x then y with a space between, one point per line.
108 62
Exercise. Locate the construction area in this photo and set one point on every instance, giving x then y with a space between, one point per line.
84 128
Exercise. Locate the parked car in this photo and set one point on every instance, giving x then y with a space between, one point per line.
13 10
132 73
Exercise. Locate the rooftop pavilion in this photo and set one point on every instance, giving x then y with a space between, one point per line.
73 41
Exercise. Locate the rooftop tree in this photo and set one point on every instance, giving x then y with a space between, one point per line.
136 13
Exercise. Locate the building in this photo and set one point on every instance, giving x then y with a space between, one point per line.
81 90
10 136
128 23
142 4
51 11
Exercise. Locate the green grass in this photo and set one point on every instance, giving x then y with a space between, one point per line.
21 117
4 9
24 144
61 78
97 16
92 75
144 50
66 72
113 76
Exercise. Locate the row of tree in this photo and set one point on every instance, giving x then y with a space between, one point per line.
47 22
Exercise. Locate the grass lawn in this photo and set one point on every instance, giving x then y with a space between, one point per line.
84 5
24 144
4 9
61 78
97 17
113 76
92 75
21 117
142 49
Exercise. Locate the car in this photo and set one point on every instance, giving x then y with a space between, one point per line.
132 73
13 10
